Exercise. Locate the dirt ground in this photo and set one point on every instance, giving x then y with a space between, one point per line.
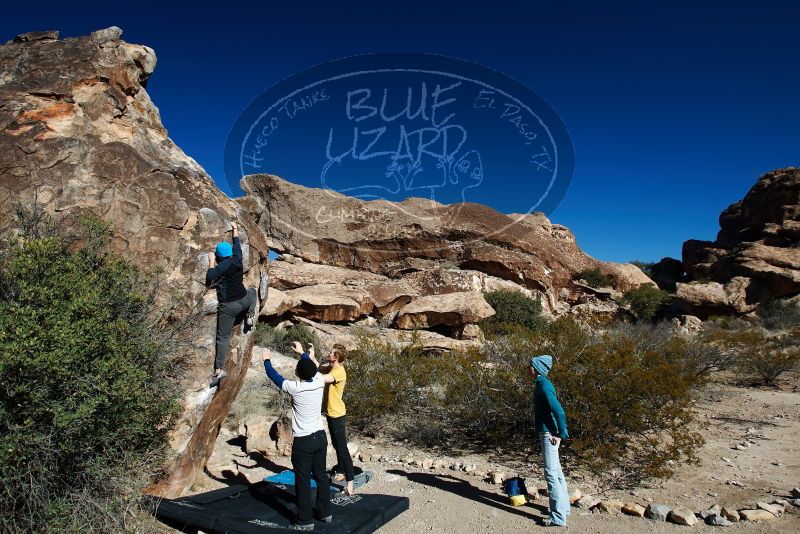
764 424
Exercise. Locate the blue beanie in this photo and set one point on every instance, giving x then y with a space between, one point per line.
542 364
224 249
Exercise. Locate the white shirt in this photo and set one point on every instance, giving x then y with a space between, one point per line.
306 405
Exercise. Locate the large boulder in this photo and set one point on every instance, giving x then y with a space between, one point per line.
431 342
398 239
625 276
331 302
738 296
78 131
278 303
450 309
759 239
386 294
777 267
667 272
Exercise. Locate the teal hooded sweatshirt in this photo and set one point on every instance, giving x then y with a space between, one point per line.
549 415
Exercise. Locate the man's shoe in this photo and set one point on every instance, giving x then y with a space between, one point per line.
327 519
550 523
215 380
304 526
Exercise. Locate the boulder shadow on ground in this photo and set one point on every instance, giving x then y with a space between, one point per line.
230 478
462 488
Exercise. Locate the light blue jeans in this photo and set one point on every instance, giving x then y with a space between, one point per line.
556 484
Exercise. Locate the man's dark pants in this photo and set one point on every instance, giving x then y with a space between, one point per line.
227 315
308 457
339 438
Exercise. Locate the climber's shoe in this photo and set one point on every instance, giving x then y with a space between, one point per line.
215 380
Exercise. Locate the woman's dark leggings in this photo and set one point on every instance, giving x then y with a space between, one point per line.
339 440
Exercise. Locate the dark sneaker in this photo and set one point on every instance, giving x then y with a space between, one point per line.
248 325
216 379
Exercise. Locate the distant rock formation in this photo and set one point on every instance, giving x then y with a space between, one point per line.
79 131
756 256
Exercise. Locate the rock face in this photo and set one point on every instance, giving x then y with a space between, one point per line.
78 131
451 309
419 247
758 241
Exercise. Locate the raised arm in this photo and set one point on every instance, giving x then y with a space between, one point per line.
297 347
237 245
272 373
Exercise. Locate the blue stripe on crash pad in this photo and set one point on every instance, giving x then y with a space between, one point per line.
287 479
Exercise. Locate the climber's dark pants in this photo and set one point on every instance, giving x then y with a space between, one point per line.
228 313
308 460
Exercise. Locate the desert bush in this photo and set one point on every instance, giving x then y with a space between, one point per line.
86 383
646 301
759 355
281 340
593 277
629 408
512 308
627 401
779 314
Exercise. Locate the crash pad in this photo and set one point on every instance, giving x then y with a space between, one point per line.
270 508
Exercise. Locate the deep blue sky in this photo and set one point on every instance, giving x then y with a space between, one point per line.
674 108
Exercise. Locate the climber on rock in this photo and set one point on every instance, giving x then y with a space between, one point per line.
225 274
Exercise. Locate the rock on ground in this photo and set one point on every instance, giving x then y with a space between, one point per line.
657 512
634 509
756 515
683 517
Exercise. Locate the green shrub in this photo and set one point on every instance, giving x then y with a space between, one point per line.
512 308
281 340
85 372
629 405
627 398
646 301
760 356
779 314
594 278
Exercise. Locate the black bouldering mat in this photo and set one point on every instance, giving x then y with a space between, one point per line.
264 508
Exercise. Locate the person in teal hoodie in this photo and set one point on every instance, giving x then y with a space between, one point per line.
551 425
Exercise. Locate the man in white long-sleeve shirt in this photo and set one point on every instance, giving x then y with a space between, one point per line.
310 443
